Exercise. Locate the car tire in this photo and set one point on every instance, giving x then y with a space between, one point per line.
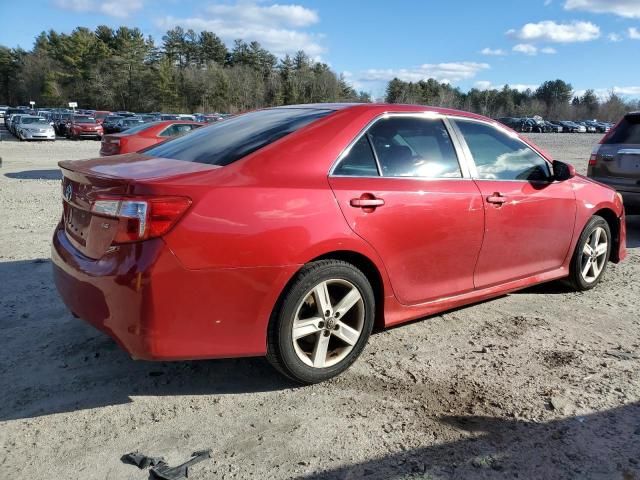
322 322
591 255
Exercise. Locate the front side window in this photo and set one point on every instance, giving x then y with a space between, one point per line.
499 156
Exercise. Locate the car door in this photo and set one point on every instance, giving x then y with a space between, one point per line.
529 218
402 189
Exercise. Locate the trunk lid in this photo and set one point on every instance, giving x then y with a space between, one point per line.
85 181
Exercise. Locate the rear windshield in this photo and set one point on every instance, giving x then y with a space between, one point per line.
627 132
132 121
225 142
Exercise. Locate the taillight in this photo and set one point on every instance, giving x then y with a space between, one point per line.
142 218
593 159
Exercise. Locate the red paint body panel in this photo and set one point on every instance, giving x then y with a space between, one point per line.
207 288
514 245
134 142
426 229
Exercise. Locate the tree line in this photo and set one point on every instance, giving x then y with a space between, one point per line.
122 69
554 99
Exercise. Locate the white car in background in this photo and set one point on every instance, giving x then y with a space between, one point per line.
35 128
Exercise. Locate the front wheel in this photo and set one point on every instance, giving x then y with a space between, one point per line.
589 261
323 322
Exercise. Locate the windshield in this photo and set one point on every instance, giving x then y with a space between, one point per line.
101 115
84 120
35 120
225 142
132 121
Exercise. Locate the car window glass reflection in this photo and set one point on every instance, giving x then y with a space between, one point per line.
414 147
499 156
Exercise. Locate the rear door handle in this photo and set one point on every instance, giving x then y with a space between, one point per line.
497 198
366 201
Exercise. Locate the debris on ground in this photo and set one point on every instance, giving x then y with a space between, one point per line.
160 469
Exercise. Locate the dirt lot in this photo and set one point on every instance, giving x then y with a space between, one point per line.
542 384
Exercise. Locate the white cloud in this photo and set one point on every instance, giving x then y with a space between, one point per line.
622 8
603 93
549 50
498 52
276 27
614 37
112 8
551 31
288 15
526 48
634 33
444 72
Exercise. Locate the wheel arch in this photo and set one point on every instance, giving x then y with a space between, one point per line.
358 260
614 225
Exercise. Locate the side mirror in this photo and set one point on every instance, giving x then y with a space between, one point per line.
563 171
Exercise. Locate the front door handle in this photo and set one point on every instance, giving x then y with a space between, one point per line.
497 198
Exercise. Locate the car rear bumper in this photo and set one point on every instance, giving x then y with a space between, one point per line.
158 310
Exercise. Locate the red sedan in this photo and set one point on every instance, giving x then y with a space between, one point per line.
80 126
136 138
292 232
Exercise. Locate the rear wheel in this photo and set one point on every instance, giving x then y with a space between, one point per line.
323 322
589 261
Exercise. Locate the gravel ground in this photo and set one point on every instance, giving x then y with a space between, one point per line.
539 384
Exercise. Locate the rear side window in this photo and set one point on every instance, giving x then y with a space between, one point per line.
359 162
628 131
499 156
414 147
225 142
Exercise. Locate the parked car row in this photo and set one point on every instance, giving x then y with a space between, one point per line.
539 125
26 126
145 135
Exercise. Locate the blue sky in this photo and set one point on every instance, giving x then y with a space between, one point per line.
589 43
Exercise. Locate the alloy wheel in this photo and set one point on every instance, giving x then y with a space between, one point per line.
594 255
328 323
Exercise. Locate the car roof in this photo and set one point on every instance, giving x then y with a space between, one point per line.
388 107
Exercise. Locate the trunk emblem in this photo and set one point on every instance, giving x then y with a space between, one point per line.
68 192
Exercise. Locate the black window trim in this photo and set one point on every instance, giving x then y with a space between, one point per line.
463 160
498 126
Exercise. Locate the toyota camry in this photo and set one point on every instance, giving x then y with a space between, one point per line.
294 232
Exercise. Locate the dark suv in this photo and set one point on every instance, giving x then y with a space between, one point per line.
616 161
